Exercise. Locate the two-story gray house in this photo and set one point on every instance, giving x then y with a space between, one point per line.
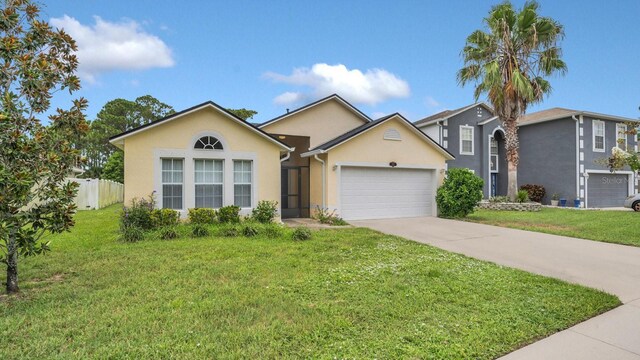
560 149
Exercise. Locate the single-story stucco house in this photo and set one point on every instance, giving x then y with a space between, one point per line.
327 154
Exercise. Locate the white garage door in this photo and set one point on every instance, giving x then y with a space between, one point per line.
375 193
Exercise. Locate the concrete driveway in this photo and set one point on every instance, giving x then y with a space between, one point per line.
608 267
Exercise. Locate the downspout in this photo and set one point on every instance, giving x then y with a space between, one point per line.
286 157
577 156
323 178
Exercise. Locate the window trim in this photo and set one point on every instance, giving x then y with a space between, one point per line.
195 183
593 135
251 183
624 135
162 183
472 139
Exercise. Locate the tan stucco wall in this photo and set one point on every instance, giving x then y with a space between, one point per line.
370 147
321 122
139 158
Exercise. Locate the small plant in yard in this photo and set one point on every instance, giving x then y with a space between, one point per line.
199 230
326 216
555 196
249 230
301 233
522 196
169 232
265 212
459 194
131 234
230 231
499 199
164 217
138 214
536 192
229 214
273 231
202 216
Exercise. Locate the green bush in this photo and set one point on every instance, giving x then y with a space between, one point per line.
523 196
459 194
199 230
326 216
273 231
265 212
138 214
164 217
499 199
535 192
202 216
229 214
131 234
301 233
230 231
250 230
169 232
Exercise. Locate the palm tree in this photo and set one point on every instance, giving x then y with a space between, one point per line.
509 62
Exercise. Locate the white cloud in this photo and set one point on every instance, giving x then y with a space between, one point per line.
108 46
371 87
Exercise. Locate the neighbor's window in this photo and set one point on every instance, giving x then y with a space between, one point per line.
598 135
208 182
621 136
242 183
208 143
172 170
466 140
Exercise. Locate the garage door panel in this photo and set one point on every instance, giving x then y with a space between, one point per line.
372 193
607 190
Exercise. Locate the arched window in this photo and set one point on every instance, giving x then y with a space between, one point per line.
208 143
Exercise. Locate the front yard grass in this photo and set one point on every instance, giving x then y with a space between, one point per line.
620 227
346 293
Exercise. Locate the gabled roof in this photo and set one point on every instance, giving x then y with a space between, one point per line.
118 139
562 113
450 113
336 97
322 148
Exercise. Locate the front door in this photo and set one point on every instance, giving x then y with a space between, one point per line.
295 192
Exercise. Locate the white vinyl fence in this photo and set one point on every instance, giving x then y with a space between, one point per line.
98 193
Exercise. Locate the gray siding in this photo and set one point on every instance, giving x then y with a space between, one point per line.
548 157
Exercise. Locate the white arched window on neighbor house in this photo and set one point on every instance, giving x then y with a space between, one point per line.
208 143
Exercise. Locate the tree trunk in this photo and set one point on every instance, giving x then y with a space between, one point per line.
511 146
12 264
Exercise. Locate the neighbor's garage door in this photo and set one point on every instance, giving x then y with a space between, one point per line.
607 190
375 193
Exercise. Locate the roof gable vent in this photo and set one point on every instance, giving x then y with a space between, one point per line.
392 134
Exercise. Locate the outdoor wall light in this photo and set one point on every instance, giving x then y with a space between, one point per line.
393 164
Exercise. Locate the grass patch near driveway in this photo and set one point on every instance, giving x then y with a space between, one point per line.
346 293
619 227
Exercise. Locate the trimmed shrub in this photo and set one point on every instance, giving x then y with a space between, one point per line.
459 194
535 192
168 233
301 233
202 216
164 217
229 214
138 214
523 196
249 230
265 212
131 234
199 230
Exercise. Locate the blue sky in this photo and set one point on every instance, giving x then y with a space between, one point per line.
395 55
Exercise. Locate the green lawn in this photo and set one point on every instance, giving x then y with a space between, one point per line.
620 227
347 293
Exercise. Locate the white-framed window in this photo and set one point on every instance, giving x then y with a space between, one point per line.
208 143
209 183
494 155
598 136
466 140
242 181
621 136
172 178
